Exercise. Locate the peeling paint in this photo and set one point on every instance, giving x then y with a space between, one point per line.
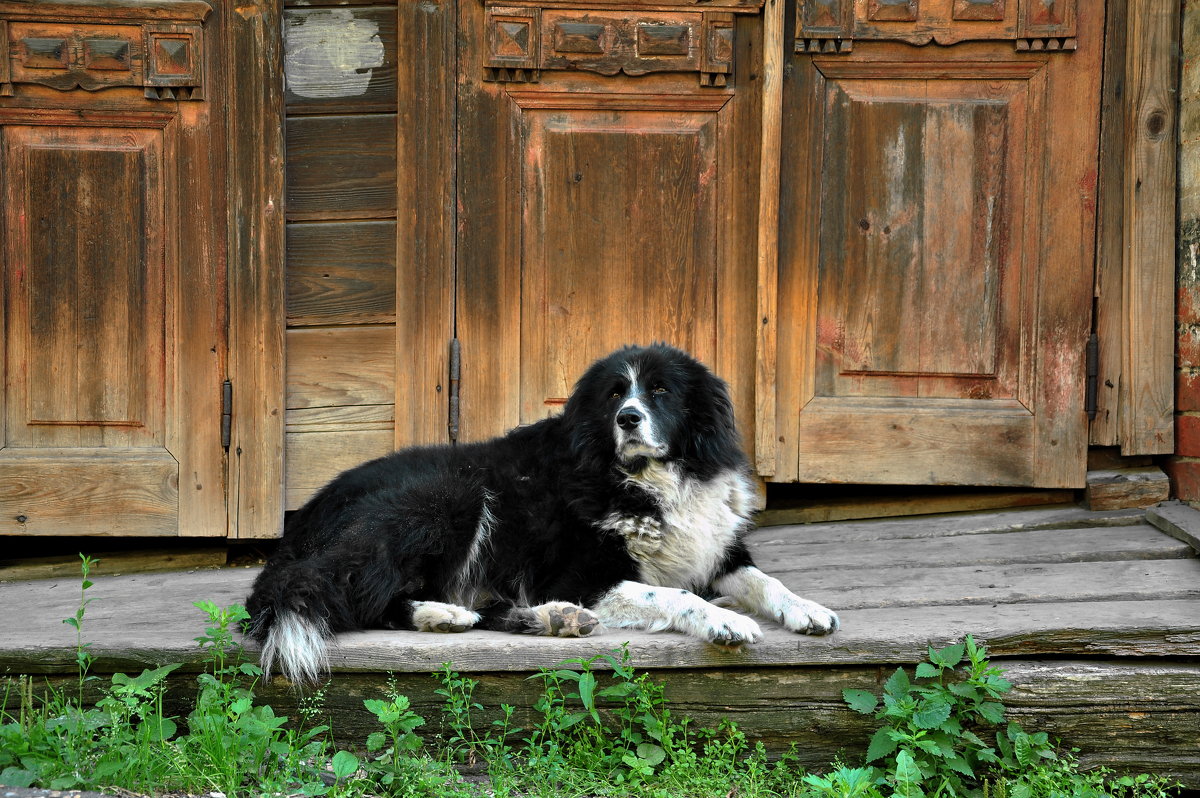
330 54
1189 252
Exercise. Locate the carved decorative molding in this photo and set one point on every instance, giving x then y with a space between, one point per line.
158 47
522 41
833 26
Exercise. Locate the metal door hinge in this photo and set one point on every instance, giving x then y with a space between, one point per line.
1091 386
455 376
226 413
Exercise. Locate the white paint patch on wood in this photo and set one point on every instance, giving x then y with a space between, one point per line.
330 54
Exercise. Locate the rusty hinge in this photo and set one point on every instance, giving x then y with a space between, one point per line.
1092 385
226 413
455 376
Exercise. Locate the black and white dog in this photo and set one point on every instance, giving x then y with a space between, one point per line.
627 510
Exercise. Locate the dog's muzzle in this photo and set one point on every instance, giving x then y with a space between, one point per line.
635 433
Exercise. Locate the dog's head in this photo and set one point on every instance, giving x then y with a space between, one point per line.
653 403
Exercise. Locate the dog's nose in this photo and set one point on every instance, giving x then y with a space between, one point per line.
628 418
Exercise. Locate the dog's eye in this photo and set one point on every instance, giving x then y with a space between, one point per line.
659 389
616 395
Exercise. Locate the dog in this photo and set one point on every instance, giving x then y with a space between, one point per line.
627 510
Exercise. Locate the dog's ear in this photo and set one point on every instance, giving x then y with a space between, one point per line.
711 440
591 439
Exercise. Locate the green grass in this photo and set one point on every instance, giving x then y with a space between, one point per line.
599 728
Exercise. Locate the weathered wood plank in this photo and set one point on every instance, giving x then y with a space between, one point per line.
1141 542
163 631
255 144
1147 405
340 366
1178 520
137 494
112 563
341 167
1137 580
957 524
340 60
1118 488
425 230
341 419
802 511
314 458
341 273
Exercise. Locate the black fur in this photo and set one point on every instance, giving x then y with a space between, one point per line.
399 529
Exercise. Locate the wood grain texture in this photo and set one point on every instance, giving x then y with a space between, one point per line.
314 458
115 335
1148 341
340 366
341 167
912 186
846 508
255 150
426 220
1116 488
766 318
560 182
341 273
76 492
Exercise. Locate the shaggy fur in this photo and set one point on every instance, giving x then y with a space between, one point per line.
627 510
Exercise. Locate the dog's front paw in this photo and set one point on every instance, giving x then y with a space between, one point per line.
807 617
730 629
434 616
554 619
642 533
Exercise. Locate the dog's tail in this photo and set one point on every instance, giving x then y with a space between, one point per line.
291 621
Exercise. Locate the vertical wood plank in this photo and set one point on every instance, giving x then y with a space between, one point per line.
254 58
425 228
1147 409
766 319
1110 230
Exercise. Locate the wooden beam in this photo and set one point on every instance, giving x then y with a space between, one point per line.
1146 423
254 107
766 320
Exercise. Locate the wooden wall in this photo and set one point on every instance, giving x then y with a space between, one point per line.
340 68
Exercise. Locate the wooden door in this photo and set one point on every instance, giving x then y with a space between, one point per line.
113 286
936 243
606 193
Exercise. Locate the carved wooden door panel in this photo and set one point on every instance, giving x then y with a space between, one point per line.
606 196
937 223
112 287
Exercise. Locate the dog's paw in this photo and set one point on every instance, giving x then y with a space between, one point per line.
642 533
806 617
730 629
554 619
434 616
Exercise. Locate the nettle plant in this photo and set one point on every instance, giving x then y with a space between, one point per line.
930 742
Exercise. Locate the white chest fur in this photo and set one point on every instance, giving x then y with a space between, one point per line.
700 520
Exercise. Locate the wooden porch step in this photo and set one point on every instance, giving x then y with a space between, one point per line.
1094 616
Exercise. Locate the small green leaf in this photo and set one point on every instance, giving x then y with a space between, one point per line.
376 741
16 777
931 715
651 754
926 671
947 657
881 745
344 764
991 711
897 684
861 701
